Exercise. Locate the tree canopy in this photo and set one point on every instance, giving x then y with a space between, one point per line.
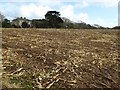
6 23
25 25
53 17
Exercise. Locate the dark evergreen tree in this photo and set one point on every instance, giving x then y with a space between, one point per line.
6 23
25 25
53 17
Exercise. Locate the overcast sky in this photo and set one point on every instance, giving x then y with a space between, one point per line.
102 12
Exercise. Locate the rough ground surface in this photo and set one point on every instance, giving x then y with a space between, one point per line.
39 58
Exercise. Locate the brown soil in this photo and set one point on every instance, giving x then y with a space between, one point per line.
50 58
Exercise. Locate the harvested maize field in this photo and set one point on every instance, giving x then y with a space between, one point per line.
60 58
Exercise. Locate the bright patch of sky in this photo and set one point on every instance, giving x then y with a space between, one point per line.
101 12
119 13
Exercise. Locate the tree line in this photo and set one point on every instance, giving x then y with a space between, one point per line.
52 20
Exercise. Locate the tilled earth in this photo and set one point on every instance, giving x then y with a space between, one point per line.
59 58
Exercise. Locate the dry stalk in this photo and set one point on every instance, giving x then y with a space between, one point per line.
15 72
52 83
110 79
18 70
103 84
39 84
55 77
94 86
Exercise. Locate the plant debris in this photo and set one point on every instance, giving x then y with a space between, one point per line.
36 58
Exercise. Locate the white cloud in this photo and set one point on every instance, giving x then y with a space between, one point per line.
41 2
103 22
67 11
106 3
99 3
34 11
49 2
84 17
9 10
103 3
100 21
82 4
